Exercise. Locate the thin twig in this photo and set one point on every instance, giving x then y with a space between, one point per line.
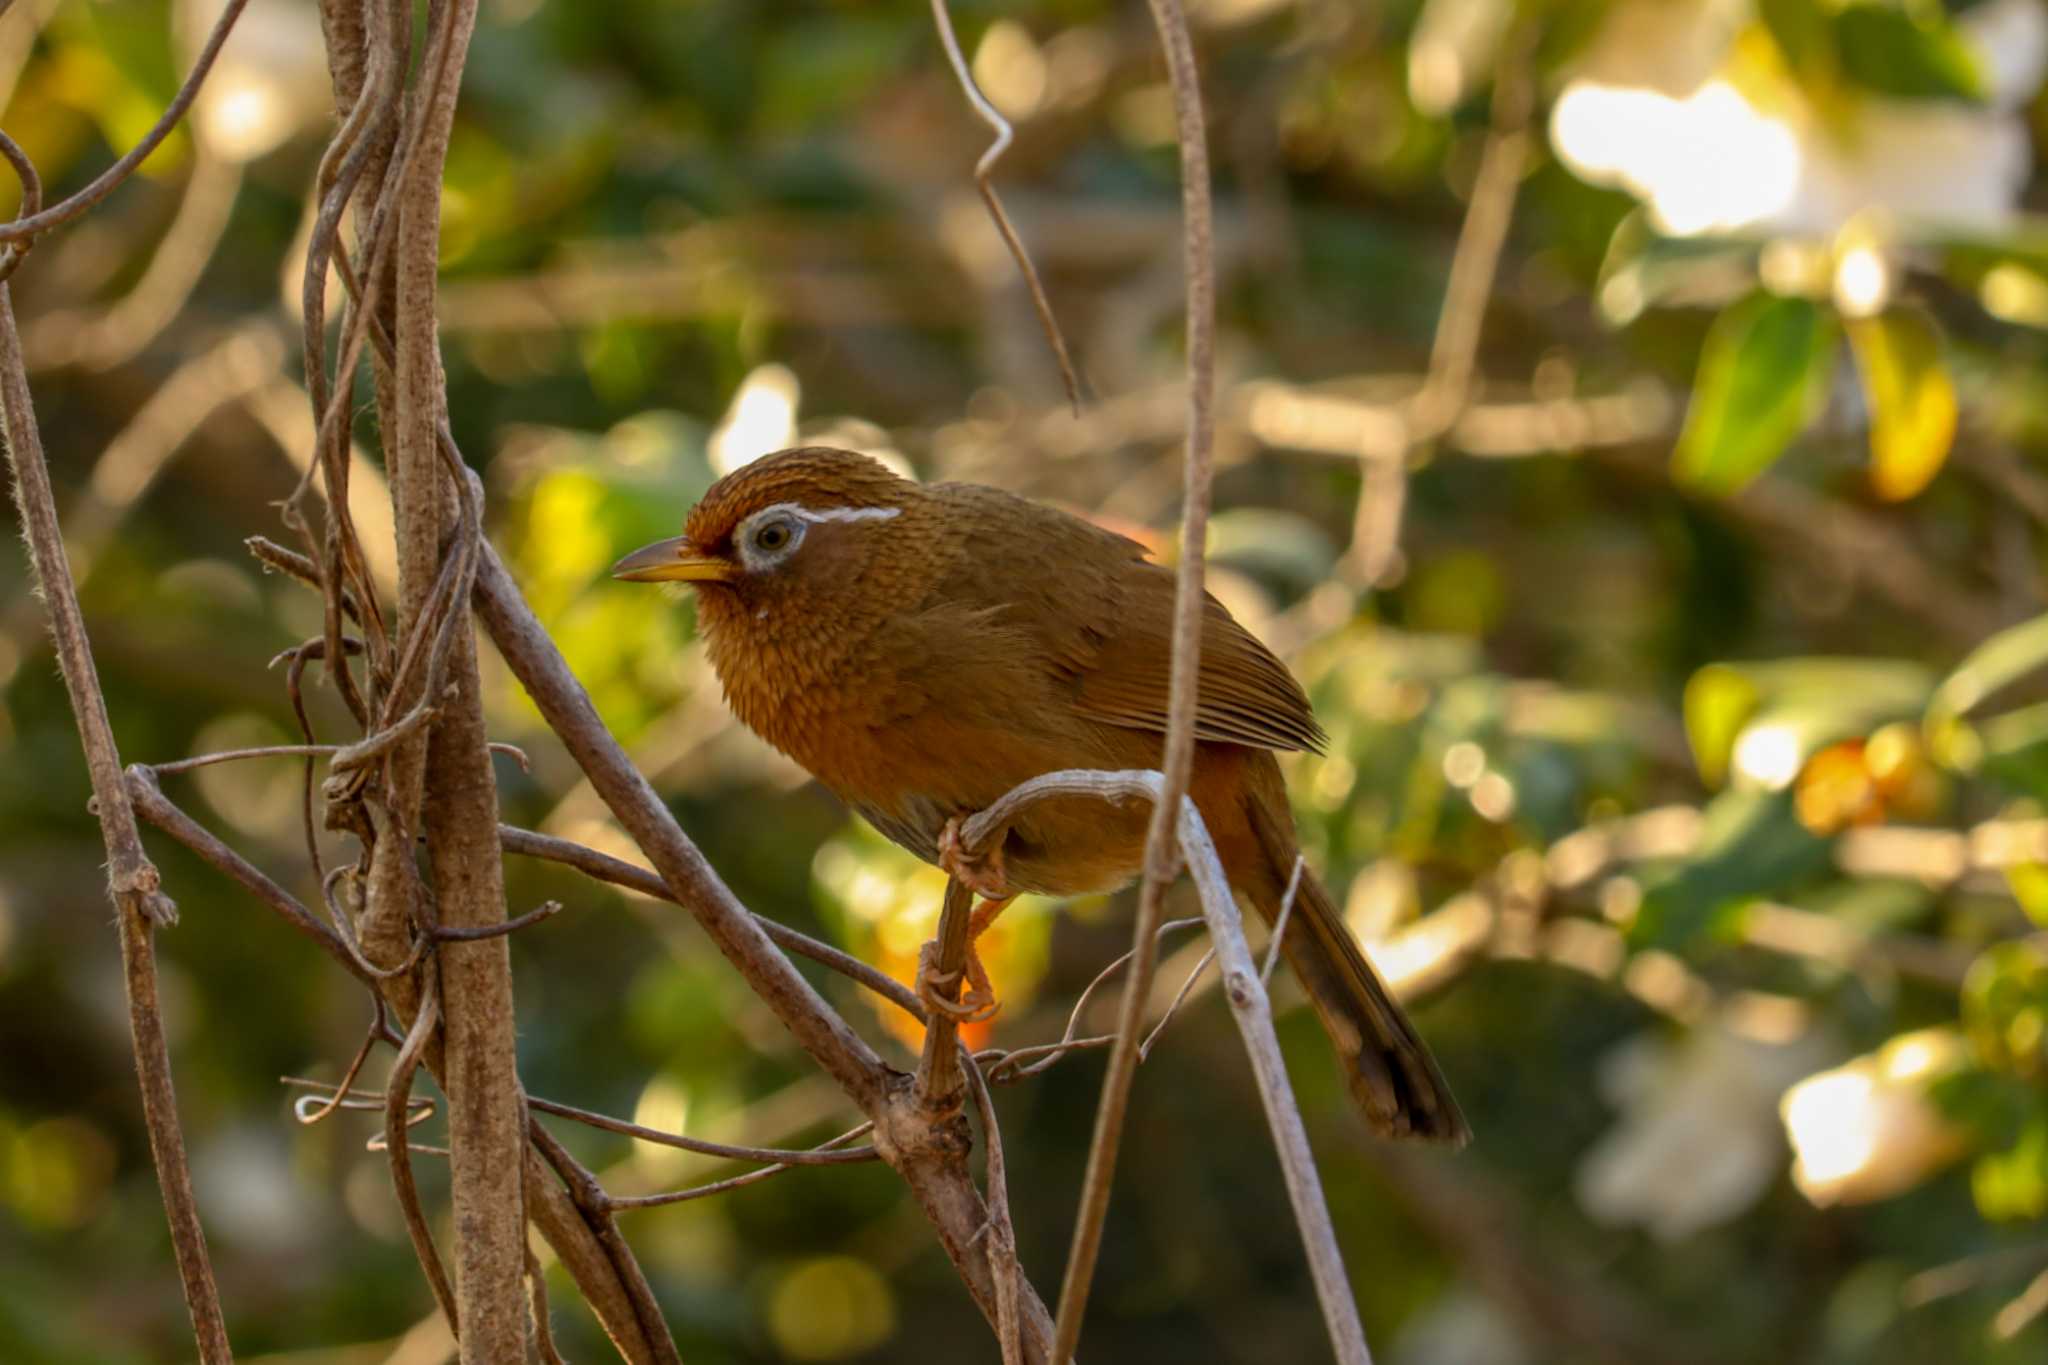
1015 1065
1201 965
135 884
543 1329
186 765
824 1153
448 933
984 170
1160 855
398 1119
783 1156
32 224
348 1077
618 872
152 805
1280 921
1447 389
1000 1232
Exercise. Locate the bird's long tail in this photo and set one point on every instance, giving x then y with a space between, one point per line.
1387 1066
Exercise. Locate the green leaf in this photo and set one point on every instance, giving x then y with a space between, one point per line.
2029 884
1802 32
2003 659
1763 376
1808 703
1912 399
1750 845
2013 1185
1913 53
2005 1006
2013 748
1719 700
1643 267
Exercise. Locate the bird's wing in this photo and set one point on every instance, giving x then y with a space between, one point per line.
1244 695
1102 618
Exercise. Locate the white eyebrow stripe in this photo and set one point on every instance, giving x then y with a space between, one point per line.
815 515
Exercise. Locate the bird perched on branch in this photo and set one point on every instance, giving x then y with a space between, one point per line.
922 649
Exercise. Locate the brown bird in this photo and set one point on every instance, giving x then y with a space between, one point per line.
923 648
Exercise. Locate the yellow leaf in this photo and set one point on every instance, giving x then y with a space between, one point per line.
1912 399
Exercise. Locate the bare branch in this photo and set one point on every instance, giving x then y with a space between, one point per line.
33 224
566 1208
829 1152
1246 991
1447 389
397 1119
159 810
606 868
984 170
1254 1019
1200 266
1000 1232
136 885
827 1155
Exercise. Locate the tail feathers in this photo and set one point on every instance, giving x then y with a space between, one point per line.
1388 1068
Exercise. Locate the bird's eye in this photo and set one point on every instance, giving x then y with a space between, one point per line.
771 536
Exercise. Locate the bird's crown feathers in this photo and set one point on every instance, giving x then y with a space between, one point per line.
817 478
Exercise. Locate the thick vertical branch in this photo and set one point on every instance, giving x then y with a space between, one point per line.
459 799
1161 861
140 901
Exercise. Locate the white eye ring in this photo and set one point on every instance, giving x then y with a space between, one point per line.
773 534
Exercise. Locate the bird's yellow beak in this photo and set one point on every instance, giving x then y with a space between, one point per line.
674 560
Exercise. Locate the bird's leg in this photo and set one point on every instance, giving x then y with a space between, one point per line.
978 1001
983 872
979 987
984 915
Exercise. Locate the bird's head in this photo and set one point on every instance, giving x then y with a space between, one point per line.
797 517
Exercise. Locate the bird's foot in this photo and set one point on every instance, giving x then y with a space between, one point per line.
976 1005
981 872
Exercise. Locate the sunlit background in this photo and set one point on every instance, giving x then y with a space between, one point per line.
1683 665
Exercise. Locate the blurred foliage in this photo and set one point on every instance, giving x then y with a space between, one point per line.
1692 755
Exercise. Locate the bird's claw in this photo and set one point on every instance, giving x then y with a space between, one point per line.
982 873
977 1005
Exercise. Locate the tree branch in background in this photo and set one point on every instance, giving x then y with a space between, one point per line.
1454 355
22 232
136 886
984 170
